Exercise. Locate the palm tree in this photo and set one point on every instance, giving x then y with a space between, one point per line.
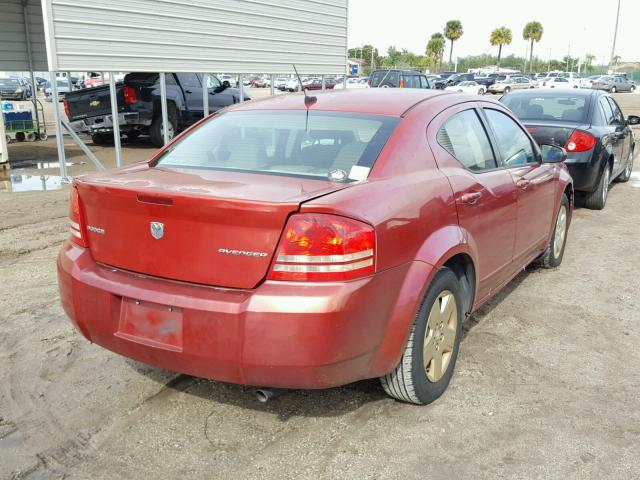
435 48
500 36
453 31
532 31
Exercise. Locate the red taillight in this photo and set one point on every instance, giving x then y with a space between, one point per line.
531 129
130 95
322 247
66 107
369 82
401 83
76 223
580 142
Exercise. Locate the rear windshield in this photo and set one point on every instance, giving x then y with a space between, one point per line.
9 82
566 108
385 78
339 146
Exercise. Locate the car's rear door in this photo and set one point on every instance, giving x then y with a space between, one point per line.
615 137
622 133
192 89
485 194
535 182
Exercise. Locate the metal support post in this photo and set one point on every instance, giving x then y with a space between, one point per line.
241 87
344 81
163 105
272 86
205 94
34 87
324 84
115 121
56 115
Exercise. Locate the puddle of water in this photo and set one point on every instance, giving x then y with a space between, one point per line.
30 183
40 165
635 179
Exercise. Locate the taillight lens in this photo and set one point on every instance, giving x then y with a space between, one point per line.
130 95
65 102
322 247
369 82
401 83
580 142
76 223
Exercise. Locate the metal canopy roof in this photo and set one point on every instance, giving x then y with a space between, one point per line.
14 42
234 36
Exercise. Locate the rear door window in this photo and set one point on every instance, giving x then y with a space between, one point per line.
411 81
189 79
424 82
607 111
618 117
514 145
465 138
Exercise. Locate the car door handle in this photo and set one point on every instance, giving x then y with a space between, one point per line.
470 198
523 183
188 91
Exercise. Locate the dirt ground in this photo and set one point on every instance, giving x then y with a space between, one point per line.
546 386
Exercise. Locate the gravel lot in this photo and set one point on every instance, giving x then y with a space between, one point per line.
547 382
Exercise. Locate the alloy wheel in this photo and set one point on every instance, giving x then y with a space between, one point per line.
440 335
561 232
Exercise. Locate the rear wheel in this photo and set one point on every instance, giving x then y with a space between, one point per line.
598 198
552 256
156 130
100 138
481 91
614 89
427 364
507 89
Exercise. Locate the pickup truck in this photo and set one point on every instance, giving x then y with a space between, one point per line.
139 109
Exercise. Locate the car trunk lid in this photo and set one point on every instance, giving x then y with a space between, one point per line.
200 226
552 133
91 102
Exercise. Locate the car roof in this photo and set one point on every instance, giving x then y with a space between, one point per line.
372 101
412 72
575 92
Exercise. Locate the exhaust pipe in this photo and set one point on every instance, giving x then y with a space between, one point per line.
263 395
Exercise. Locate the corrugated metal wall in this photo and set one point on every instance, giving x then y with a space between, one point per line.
234 36
13 41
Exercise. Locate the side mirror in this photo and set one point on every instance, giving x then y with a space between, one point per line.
553 154
633 120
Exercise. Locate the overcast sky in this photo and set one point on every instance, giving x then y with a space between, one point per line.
586 25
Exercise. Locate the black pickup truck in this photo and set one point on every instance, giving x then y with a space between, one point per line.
139 109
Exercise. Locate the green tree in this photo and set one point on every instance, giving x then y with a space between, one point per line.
588 62
500 36
435 50
393 56
533 32
452 32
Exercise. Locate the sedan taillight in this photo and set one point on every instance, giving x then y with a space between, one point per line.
580 142
322 247
76 222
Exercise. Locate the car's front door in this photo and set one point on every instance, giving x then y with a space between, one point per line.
485 195
535 183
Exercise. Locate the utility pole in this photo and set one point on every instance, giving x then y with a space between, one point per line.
615 35
549 64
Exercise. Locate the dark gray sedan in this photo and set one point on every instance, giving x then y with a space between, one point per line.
613 84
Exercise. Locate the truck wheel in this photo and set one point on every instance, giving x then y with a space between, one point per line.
156 132
427 364
100 138
132 135
20 136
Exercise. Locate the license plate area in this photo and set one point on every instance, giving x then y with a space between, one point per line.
150 324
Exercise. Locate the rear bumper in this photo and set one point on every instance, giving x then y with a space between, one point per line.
127 121
584 171
281 334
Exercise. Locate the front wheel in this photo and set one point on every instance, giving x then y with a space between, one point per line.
507 89
614 89
626 174
481 91
552 256
428 361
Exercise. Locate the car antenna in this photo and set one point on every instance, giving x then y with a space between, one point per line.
308 100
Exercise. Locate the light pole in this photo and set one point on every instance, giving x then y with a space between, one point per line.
615 35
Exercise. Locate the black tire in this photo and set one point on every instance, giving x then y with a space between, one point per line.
614 89
597 199
155 130
633 88
20 136
626 174
552 256
507 89
101 138
132 135
409 381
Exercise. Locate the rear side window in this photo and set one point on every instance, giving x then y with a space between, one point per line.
464 137
541 107
387 78
514 145
294 143
607 111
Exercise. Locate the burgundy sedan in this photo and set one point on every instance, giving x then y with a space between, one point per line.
284 243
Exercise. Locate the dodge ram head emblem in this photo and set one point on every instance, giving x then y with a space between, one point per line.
157 230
